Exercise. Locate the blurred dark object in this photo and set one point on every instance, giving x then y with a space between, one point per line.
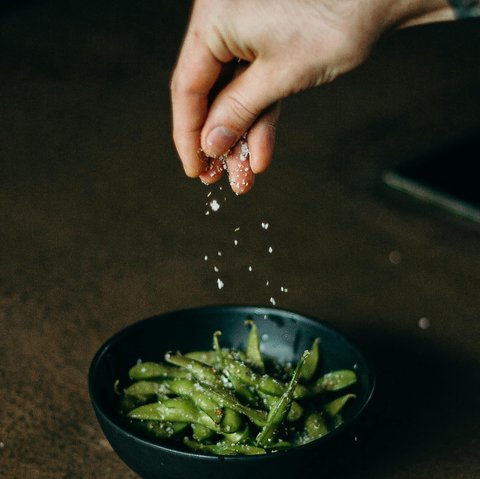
443 178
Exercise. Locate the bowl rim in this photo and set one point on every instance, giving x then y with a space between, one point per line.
247 309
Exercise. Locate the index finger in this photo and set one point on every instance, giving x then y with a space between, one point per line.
195 74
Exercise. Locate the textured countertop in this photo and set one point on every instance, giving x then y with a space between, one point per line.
99 228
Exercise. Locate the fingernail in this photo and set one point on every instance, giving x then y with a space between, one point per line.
219 140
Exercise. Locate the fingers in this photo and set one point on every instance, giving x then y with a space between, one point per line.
240 174
196 72
238 106
261 139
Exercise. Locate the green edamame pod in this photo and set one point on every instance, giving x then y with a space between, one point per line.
295 412
201 433
280 409
199 370
174 410
231 421
242 436
207 357
335 406
151 370
194 391
223 449
145 390
226 399
334 381
311 364
254 356
159 429
314 428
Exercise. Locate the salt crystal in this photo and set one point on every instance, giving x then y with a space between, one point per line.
270 249
267 283
237 229
235 242
249 268
215 205
209 194
272 300
244 151
207 213
219 253
265 226
220 283
215 269
206 258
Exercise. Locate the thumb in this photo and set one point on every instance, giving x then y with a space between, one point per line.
238 105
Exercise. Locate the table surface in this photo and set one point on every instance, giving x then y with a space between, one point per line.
99 228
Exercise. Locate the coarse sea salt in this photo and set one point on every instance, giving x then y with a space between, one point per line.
214 205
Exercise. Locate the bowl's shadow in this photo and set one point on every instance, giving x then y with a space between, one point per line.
424 410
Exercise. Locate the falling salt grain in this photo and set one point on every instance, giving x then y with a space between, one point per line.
215 269
250 268
270 249
207 213
272 300
219 253
209 194
235 242
214 205
2 445
267 283
237 229
423 323
265 226
219 283
205 258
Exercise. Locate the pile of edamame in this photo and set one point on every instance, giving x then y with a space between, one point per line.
231 402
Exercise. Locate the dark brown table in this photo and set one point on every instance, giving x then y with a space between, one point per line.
99 228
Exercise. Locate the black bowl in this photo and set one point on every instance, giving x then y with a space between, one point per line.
285 335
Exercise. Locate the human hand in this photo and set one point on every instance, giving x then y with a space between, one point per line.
286 46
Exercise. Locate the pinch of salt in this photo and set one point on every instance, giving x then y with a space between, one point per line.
244 151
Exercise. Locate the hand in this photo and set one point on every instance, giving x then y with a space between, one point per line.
285 46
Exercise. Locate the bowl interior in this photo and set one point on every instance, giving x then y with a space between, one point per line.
285 335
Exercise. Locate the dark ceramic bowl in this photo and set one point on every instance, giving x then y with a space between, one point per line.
285 335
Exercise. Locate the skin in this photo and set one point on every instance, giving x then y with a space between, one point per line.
284 47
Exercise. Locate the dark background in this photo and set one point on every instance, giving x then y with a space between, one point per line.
99 228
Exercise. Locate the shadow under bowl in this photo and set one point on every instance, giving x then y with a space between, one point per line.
285 335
